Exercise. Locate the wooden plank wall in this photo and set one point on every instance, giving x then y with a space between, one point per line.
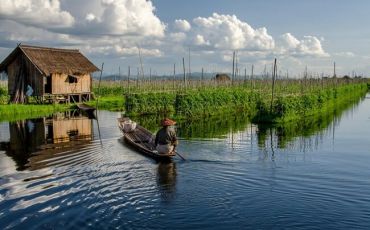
32 75
61 85
13 69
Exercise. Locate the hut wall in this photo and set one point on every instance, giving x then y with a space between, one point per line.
12 70
61 84
31 76
64 130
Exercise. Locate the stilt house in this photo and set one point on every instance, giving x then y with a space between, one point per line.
48 74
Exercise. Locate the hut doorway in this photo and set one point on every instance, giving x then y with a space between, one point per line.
48 84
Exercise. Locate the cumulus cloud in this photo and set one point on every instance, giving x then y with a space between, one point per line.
107 17
308 46
123 17
228 32
182 25
38 13
98 27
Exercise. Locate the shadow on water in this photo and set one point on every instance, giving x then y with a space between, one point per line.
34 141
166 180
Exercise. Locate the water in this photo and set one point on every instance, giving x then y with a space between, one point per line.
75 173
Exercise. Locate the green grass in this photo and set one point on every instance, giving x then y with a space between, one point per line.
111 103
13 112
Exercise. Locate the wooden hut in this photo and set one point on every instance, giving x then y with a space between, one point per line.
48 74
222 77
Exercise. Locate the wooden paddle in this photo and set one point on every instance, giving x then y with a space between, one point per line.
180 155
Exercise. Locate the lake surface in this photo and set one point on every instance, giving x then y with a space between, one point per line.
69 172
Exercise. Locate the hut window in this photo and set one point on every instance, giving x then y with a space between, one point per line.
72 79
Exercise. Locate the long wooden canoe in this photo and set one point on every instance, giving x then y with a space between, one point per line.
143 141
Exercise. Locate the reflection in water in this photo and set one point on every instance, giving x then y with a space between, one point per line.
166 180
33 141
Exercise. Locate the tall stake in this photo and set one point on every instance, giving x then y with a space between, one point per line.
137 78
236 65
174 75
252 77
101 73
189 74
150 75
233 73
128 79
202 79
183 65
273 85
245 75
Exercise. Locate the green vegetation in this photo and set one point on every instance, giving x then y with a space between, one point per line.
4 98
292 101
15 112
150 103
232 122
291 107
112 103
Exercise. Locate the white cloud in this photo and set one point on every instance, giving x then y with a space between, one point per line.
182 25
345 54
123 17
90 17
308 46
228 32
38 13
289 41
200 41
177 37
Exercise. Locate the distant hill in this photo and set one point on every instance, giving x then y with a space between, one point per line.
193 76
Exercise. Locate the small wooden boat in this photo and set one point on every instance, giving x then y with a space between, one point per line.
142 140
86 108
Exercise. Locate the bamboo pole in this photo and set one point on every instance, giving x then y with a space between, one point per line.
233 73
101 73
174 76
128 79
273 85
183 64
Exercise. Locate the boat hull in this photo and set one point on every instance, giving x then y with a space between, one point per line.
142 140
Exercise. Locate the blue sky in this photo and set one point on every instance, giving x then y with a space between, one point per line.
312 33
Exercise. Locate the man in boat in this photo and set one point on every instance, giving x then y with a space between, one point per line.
166 140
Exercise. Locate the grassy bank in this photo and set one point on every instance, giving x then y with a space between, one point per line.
13 112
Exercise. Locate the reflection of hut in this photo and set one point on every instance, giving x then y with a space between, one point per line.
44 137
222 77
62 129
48 74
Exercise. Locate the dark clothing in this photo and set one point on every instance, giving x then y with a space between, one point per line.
166 136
